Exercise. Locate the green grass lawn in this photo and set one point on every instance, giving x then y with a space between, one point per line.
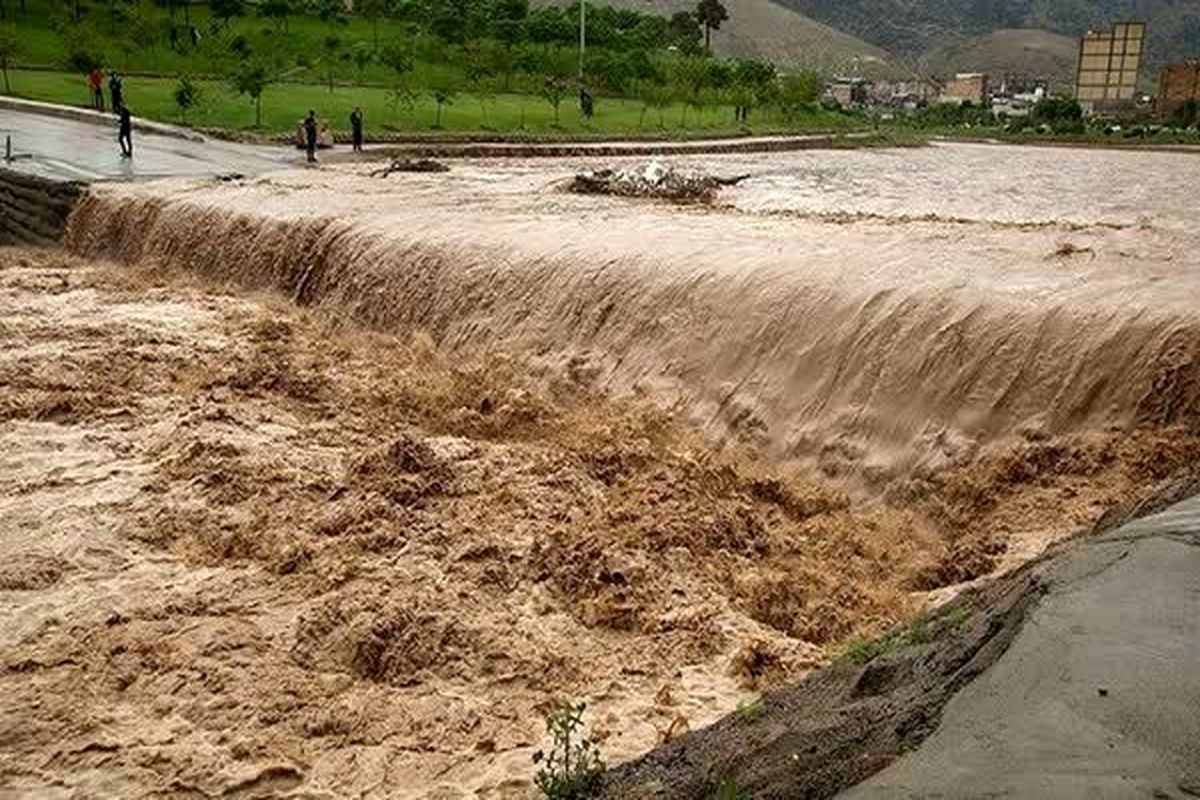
284 104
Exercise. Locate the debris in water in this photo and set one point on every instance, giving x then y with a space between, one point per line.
652 180
410 165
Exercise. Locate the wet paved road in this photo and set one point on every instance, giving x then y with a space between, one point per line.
76 150
1099 694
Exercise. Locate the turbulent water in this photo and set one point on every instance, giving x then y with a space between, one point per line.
867 311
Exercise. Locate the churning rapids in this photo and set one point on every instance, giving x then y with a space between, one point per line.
325 484
869 312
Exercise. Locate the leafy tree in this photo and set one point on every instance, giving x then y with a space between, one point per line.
557 69
443 90
656 93
689 78
399 61
252 78
798 93
683 33
187 95
331 12
1060 113
479 64
710 14
373 11
508 21
240 47
83 54
331 47
362 56
277 11
11 47
225 10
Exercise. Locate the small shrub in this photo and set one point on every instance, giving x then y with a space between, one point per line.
751 710
572 768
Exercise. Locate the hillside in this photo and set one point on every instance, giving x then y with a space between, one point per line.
913 29
1014 52
763 28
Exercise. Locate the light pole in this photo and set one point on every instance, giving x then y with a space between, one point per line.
582 35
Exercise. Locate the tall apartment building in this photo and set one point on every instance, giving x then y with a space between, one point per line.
1109 62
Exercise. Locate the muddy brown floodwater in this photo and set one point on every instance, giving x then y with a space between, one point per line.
331 484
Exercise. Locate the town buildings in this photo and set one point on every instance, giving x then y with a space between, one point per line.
1177 85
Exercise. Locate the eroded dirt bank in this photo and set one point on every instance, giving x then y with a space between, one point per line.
249 549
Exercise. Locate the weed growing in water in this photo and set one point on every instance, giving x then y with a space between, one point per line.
572 768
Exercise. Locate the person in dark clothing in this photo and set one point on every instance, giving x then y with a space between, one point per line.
117 91
125 135
587 104
310 135
173 35
356 128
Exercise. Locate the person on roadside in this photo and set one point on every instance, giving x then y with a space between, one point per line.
311 130
96 81
356 128
125 132
117 91
587 103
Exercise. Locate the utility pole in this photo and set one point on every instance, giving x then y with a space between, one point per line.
582 35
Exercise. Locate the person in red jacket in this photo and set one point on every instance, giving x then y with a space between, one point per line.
96 81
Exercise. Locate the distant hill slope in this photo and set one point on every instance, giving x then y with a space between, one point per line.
765 28
910 29
1012 52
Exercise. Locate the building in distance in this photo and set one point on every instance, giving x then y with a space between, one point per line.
1178 85
1109 61
967 87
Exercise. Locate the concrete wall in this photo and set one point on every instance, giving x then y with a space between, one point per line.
34 210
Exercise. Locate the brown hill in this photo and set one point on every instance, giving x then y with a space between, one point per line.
1024 52
762 28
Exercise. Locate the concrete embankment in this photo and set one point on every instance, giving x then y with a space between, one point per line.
34 210
1069 678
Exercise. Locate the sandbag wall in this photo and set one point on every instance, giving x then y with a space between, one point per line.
33 210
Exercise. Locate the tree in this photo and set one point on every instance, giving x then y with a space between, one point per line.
443 91
373 11
11 47
689 79
399 60
278 12
798 93
251 78
226 10
684 34
362 56
478 64
710 14
557 68
186 95
330 48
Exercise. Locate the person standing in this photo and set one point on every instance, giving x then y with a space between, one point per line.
310 135
117 91
356 128
125 134
96 81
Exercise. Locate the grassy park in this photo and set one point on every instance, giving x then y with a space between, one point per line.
459 66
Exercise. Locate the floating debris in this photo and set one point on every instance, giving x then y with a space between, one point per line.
653 180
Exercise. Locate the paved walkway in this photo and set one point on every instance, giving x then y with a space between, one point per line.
1099 694
78 149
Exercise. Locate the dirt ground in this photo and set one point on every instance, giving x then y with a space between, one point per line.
251 549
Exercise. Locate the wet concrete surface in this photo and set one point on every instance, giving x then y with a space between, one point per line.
66 149
1099 694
